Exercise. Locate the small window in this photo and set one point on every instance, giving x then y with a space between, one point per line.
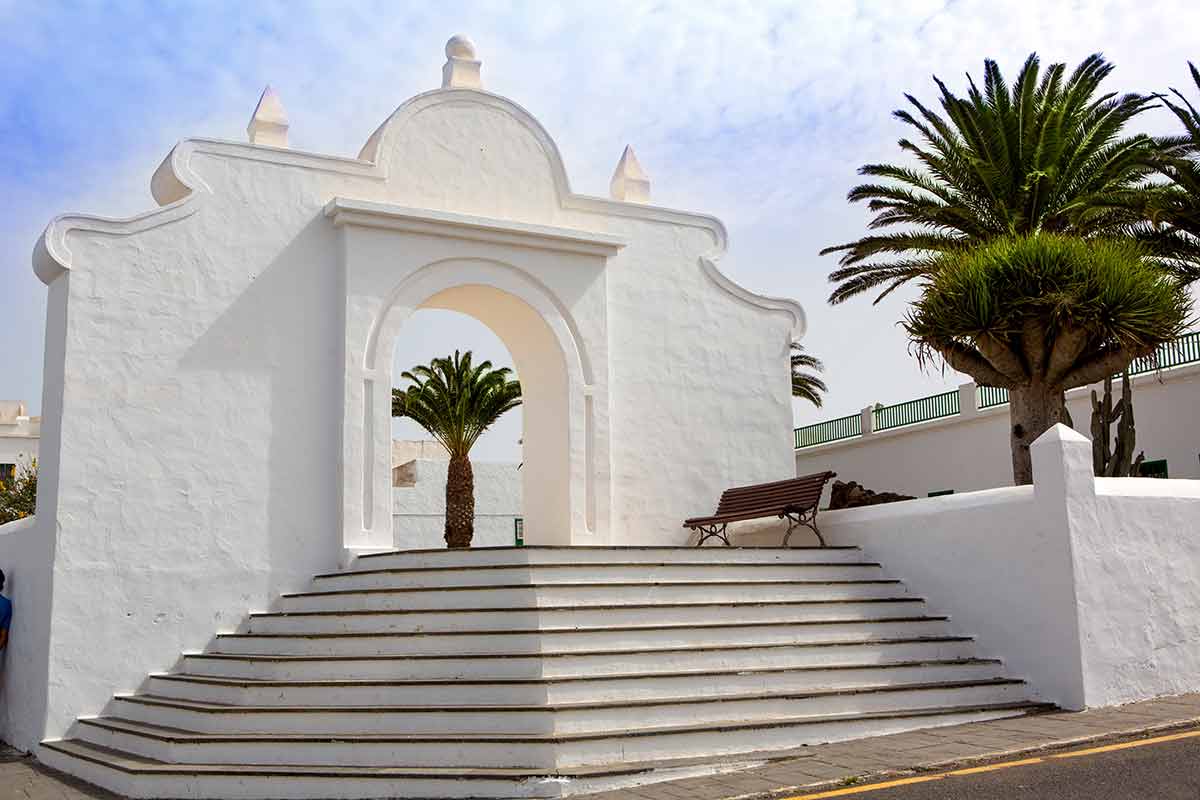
7 472
519 532
941 492
1154 469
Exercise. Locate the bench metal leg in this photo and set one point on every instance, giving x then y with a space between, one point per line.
712 532
807 520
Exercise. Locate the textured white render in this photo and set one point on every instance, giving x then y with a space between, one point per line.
419 507
1086 587
218 374
19 434
970 451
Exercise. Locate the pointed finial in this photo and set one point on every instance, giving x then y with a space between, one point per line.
461 70
269 123
629 181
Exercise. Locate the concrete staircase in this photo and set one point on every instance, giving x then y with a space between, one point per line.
539 672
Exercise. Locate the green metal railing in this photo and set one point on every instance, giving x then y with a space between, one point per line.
1184 350
914 411
990 396
829 431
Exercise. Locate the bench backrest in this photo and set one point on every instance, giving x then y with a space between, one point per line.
801 493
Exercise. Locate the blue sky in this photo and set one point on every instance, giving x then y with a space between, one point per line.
758 112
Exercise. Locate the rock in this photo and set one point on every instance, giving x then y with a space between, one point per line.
853 495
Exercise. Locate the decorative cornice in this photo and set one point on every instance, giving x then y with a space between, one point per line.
790 307
477 229
179 189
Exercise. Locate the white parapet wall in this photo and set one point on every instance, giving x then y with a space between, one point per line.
1088 588
419 504
970 450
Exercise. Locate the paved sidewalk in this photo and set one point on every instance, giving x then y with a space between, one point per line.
797 771
827 766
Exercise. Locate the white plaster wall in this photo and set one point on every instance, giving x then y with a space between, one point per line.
419 511
1087 588
195 399
971 451
1137 564
24 559
989 559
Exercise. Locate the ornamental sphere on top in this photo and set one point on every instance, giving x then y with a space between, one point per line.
460 46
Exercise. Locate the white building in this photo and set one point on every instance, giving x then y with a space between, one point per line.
958 441
19 435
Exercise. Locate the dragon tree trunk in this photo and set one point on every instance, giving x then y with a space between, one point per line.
1033 410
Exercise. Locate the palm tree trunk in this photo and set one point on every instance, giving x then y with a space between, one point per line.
460 503
1032 411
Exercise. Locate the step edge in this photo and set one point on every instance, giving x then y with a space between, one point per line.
586 653
258 683
553 708
129 727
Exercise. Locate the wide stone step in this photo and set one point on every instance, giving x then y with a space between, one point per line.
539 751
482 557
519 665
134 776
590 617
638 637
400 578
562 718
531 691
588 594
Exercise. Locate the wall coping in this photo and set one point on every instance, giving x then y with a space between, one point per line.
452 225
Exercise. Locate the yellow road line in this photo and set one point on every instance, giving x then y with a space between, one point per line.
993 767
873 787
1108 748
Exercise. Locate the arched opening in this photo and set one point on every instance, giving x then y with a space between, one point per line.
420 465
558 494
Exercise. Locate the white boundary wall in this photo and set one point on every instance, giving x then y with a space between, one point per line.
1088 588
419 510
970 451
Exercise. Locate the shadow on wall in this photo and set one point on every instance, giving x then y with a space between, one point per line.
283 331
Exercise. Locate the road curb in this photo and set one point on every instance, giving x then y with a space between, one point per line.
863 778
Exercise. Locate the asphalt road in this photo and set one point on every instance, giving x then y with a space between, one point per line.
1162 771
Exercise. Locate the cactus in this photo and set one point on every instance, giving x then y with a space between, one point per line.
1114 459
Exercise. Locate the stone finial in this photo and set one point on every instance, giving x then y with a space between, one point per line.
629 181
269 123
461 70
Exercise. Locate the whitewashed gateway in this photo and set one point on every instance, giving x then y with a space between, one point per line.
192 480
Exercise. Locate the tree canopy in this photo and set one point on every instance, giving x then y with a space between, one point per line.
1047 154
1050 308
456 400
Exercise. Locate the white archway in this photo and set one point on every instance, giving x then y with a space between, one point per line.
561 485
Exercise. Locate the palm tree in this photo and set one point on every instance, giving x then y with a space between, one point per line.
1047 154
456 402
1173 210
806 384
1042 314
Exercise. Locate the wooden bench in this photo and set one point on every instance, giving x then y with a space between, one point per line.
794 499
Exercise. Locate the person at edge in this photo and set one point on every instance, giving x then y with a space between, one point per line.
5 615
